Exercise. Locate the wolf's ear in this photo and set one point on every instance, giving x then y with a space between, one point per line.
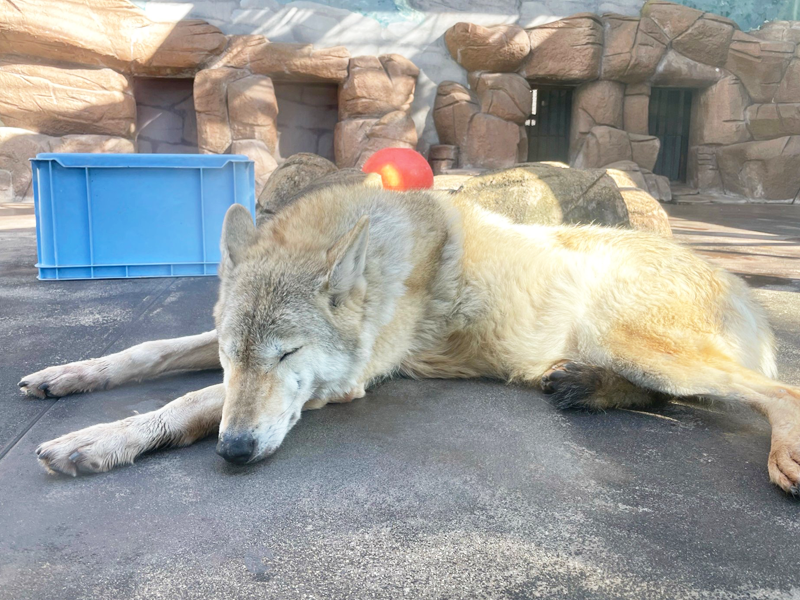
238 232
347 259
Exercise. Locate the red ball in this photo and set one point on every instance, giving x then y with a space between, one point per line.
400 169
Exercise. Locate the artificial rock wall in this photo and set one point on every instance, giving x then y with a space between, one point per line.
745 115
451 79
80 76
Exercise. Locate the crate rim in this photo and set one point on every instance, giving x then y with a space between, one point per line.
134 160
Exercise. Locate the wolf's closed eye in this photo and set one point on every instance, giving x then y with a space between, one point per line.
289 353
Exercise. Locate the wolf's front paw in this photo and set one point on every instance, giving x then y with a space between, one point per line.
784 465
62 380
92 450
354 394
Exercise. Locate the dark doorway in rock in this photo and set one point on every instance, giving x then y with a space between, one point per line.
166 122
549 123
307 116
669 119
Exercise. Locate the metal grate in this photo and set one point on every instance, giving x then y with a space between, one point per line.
669 118
548 125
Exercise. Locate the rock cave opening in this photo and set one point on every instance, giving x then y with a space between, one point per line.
548 125
307 116
669 119
166 122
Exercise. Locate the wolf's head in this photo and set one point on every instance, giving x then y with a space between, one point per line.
289 319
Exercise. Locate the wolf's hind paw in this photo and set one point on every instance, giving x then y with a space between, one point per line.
784 467
571 384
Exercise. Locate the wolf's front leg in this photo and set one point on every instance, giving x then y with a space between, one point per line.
102 447
146 360
317 403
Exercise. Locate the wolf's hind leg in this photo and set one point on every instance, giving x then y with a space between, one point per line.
144 361
576 385
102 447
699 367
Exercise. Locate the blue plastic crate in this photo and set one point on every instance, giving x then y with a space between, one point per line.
104 216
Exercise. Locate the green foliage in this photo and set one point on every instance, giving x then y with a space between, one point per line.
750 14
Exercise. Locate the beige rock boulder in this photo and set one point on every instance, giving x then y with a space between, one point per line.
504 95
633 48
707 40
673 19
636 108
645 213
702 171
565 51
764 122
302 174
449 182
595 103
658 186
779 31
58 100
403 74
492 143
377 86
789 87
719 114
602 101
768 121
350 137
620 35
18 146
211 106
355 140
263 161
627 174
790 117
676 70
173 49
603 146
301 62
289 181
644 150
548 195
453 109
285 62
253 110
476 48
606 145
110 33
766 170
759 64
395 126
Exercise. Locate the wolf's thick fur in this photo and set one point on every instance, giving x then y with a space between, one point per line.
349 285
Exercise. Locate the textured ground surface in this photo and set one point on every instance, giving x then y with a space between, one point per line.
422 489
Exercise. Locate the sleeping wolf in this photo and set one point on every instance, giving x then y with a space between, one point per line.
350 284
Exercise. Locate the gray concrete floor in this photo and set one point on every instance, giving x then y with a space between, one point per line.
429 489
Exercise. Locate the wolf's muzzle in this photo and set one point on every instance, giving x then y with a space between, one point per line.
238 448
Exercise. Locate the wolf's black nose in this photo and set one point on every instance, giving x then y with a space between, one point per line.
237 448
